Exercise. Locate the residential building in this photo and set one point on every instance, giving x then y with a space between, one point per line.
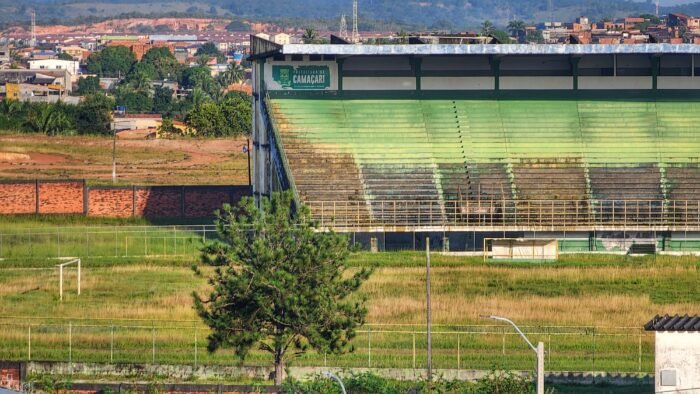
72 66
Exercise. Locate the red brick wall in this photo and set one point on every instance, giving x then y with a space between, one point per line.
61 197
203 201
67 197
11 375
117 203
17 198
159 202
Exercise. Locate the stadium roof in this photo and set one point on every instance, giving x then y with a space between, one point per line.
487 49
673 323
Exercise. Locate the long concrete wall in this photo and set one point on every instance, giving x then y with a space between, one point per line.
71 197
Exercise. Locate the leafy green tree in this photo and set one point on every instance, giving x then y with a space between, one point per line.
164 64
210 50
280 285
111 62
134 101
487 28
163 100
234 74
89 85
237 109
502 36
516 28
47 119
238 26
310 36
142 70
535 36
207 119
200 77
64 56
94 114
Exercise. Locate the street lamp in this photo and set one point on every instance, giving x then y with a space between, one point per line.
335 377
539 350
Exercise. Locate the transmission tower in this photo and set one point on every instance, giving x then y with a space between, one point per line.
657 8
355 32
32 41
550 8
343 33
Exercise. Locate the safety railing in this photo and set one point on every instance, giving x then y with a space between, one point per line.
520 214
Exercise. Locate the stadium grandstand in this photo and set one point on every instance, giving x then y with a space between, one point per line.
597 146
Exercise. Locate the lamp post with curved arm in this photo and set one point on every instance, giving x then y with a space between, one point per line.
539 350
335 377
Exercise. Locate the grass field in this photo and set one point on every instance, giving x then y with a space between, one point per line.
150 162
587 309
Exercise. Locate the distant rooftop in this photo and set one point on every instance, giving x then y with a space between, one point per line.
673 323
488 49
173 37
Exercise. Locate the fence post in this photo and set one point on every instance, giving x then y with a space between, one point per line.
414 350
195 347
640 353
369 348
29 343
459 358
111 345
593 369
70 345
153 342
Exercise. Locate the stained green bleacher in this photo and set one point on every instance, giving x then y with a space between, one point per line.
430 151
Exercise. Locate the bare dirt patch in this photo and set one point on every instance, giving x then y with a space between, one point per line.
177 161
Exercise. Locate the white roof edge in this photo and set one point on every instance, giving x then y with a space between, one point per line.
489 49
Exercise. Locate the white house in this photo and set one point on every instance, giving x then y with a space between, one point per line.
264 36
281 39
72 67
677 353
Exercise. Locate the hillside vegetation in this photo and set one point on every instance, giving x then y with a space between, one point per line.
432 14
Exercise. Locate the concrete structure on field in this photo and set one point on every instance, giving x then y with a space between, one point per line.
677 353
466 141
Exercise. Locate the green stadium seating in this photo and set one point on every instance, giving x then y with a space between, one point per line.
427 152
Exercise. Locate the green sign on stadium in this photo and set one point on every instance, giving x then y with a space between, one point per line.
302 77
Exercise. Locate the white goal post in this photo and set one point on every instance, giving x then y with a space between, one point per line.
521 248
70 261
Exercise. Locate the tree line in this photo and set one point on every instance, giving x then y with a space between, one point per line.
142 87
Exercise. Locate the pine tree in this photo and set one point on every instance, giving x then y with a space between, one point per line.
279 284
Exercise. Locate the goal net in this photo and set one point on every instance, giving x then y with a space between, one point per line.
521 248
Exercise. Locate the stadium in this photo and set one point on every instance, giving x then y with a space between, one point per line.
594 146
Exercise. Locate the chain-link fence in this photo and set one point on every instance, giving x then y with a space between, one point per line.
103 242
376 346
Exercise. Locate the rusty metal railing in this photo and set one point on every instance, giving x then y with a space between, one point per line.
553 215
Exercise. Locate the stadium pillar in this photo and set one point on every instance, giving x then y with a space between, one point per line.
655 62
340 74
496 69
417 63
574 70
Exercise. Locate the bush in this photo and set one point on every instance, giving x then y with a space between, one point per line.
368 383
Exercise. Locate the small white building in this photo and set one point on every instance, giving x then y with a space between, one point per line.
264 36
677 353
281 39
73 67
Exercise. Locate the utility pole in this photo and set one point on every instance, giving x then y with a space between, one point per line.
355 31
32 41
657 7
343 33
428 312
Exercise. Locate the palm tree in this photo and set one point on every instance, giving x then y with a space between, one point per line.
47 119
203 60
234 74
487 28
516 28
310 36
